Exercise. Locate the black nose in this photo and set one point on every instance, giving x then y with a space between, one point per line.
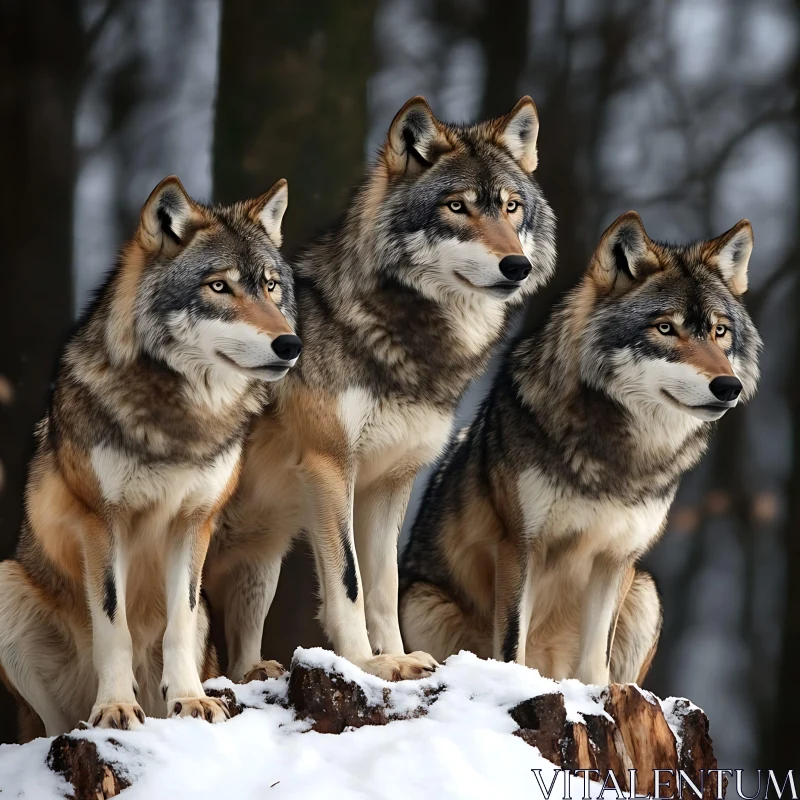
725 388
515 268
287 346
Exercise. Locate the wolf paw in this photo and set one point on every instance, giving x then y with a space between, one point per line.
122 716
413 666
264 670
210 709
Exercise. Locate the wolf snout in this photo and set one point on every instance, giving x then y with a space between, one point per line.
515 268
726 388
287 346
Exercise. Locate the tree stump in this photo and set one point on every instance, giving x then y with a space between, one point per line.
78 761
636 732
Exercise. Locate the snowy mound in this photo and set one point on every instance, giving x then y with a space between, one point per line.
464 732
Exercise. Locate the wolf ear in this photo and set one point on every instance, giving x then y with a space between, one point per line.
269 208
169 217
623 256
519 131
730 254
415 139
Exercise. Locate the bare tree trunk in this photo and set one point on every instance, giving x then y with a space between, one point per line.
41 56
569 142
292 104
784 747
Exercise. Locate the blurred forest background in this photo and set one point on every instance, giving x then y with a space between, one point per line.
686 111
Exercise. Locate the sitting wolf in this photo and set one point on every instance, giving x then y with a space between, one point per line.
100 613
400 307
525 544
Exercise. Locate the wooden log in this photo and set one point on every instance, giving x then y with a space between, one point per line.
78 761
695 749
334 704
649 742
636 732
593 744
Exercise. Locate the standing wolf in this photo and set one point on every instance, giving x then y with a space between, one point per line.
525 545
400 307
138 452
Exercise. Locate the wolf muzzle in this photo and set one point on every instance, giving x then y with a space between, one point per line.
287 346
515 268
726 388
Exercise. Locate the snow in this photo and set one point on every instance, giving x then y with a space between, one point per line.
463 748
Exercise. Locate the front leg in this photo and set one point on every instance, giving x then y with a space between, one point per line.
329 489
513 601
378 514
599 607
112 650
180 684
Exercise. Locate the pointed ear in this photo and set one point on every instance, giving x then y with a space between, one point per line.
415 139
730 254
269 208
519 131
169 218
623 256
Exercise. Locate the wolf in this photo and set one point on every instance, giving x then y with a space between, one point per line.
400 306
526 542
100 611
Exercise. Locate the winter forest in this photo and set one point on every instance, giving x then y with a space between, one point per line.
686 111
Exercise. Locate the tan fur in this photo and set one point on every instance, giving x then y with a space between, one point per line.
296 476
707 357
498 236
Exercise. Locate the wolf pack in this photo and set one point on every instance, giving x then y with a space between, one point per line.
188 442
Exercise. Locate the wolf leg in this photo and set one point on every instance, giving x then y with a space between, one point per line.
180 684
112 649
378 513
330 493
29 639
249 588
638 630
512 602
433 622
599 606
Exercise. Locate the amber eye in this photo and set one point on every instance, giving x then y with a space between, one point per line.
512 206
271 285
220 287
456 206
720 331
665 329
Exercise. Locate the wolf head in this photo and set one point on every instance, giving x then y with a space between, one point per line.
461 212
206 288
667 327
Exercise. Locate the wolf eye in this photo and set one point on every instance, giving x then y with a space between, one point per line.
666 329
220 287
512 206
271 285
456 206
720 330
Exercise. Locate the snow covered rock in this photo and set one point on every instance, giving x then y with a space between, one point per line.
471 728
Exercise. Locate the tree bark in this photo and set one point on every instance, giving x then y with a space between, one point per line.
42 52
